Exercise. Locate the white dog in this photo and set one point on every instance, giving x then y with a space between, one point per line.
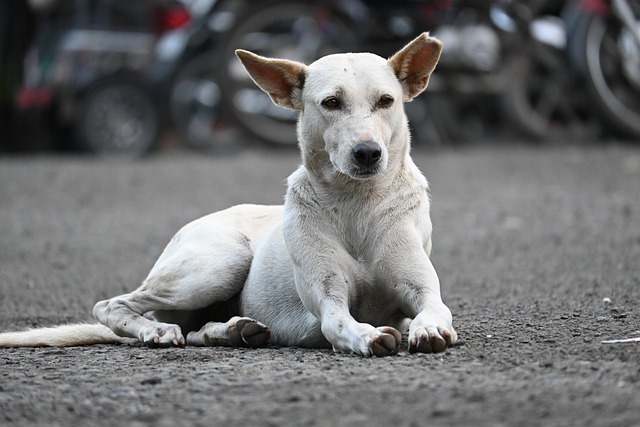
345 262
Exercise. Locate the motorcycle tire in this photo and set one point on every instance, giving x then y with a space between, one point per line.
195 108
282 30
613 85
118 118
542 103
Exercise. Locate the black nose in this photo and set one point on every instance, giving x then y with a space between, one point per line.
367 153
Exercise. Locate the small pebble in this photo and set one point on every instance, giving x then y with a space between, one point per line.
606 300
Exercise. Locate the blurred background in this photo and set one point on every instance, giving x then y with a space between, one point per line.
125 78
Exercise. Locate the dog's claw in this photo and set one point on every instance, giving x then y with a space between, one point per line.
426 342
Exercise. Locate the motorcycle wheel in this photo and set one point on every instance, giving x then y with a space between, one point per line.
195 107
543 103
118 119
609 59
293 30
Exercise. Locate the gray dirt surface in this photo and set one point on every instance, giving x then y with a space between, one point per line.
528 242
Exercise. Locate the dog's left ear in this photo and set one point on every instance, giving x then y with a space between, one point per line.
414 64
281 79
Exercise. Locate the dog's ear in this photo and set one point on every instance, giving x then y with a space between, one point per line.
281 79
414 64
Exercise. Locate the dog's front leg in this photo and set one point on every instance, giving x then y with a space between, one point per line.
325 292
431 329
416 287
324 284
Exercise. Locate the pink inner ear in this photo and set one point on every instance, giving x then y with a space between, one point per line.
281 81
279 78
424 60
275 81
268 76
415 62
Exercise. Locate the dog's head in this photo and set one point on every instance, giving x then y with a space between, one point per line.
351 104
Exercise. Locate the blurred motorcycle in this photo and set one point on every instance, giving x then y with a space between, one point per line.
184 71
87 68
498 62
504 60
543 98
305 31
604 47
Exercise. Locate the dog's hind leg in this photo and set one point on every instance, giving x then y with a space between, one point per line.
206 262
186 285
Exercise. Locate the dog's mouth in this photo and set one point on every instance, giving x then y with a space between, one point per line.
364 173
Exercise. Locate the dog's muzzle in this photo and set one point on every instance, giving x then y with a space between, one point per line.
366 155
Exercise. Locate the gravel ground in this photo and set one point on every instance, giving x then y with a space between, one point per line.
528 243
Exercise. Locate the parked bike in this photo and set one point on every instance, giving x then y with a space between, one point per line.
498 61
87 69
524 64
604 46
184 71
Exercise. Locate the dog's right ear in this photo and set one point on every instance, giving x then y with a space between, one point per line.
281 79
414 63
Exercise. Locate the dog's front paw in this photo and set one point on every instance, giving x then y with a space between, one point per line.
162 335
363 339
387 343
429 334
430 340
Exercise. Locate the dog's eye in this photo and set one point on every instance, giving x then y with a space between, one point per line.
385 101
332 103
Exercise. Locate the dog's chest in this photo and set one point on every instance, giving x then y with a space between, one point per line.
363 230
367 235
356 232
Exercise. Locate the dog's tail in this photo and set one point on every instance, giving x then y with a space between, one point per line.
62 336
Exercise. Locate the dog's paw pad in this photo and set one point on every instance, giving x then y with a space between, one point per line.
248 333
